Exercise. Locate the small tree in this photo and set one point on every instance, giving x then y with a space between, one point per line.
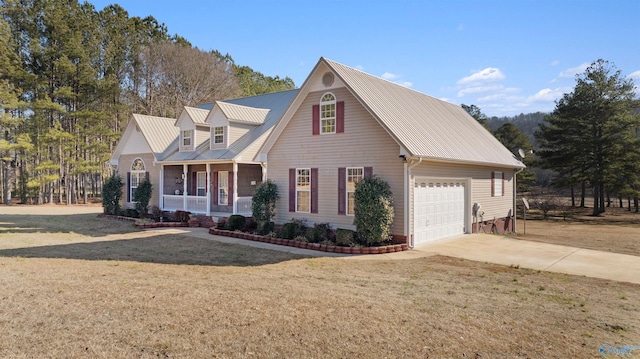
263 206
142 196
111 194
373 210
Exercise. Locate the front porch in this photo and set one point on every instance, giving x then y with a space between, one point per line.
214 189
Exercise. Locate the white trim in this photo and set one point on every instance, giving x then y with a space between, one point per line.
307 191
328 112
221 135
346 187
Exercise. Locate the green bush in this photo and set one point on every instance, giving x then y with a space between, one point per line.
295 228
130 212
320 232
111 195
142 196
156 214
235 223
265 227
250 225
373 210
344 237
263 205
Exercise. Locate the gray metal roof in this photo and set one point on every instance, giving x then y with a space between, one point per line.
160 132
243 114
425 126
245 148
198 115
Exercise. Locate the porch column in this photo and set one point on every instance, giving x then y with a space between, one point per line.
208 186
235 187
185 176
264 171
161 189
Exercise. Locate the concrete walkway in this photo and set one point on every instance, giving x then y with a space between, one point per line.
483 248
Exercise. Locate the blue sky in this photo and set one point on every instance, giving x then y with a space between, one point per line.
506 57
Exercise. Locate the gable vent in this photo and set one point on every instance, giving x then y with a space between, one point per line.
327 79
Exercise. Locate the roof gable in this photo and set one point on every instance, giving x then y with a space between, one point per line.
422 125
157 132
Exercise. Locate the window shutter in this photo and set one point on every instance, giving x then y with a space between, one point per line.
340 117
503 183
342 190
314 190
231 188
315 119
146 176
493 184
368 172
215 188
194 183
128 186
292 189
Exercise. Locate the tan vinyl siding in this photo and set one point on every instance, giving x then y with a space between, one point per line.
136 143
364 143
154 176
237 130
202 135
480 184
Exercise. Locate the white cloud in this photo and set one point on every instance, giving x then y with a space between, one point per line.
460 27
554 63
546 95
405 83
478 89
572 72
634 75
360 67
389 76
489 74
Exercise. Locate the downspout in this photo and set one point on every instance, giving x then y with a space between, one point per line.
407 195
515 186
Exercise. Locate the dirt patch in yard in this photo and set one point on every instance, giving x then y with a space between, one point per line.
81 286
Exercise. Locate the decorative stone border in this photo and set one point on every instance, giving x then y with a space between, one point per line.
312 246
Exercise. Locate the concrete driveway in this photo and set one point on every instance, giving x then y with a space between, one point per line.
533 255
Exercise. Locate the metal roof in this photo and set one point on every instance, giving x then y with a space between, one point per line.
243 114
160 132
243 149
425 126
197 115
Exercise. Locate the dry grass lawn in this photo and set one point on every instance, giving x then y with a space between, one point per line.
77 286
618 230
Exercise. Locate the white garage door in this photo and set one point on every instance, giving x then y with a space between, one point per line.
438 209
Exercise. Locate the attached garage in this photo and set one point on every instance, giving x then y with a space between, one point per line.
439 209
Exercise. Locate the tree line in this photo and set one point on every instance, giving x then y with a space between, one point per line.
590 140
72 75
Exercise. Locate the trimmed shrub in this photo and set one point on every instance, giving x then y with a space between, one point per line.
320 232
297 227
235 223
181 216
344 237
263 204
156 214
265 227
111 195
132 213
373 210
250 225
142 196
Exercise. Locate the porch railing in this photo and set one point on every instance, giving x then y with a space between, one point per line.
198 204
244 206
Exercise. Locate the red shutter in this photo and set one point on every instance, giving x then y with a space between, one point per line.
292 189
315 119
128 186
194 183
314 190
493 184
340 117
368 172
215 188
146 176
230 188
342 190
503 183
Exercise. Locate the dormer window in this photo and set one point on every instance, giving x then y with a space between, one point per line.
328 113
187 138
218 135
